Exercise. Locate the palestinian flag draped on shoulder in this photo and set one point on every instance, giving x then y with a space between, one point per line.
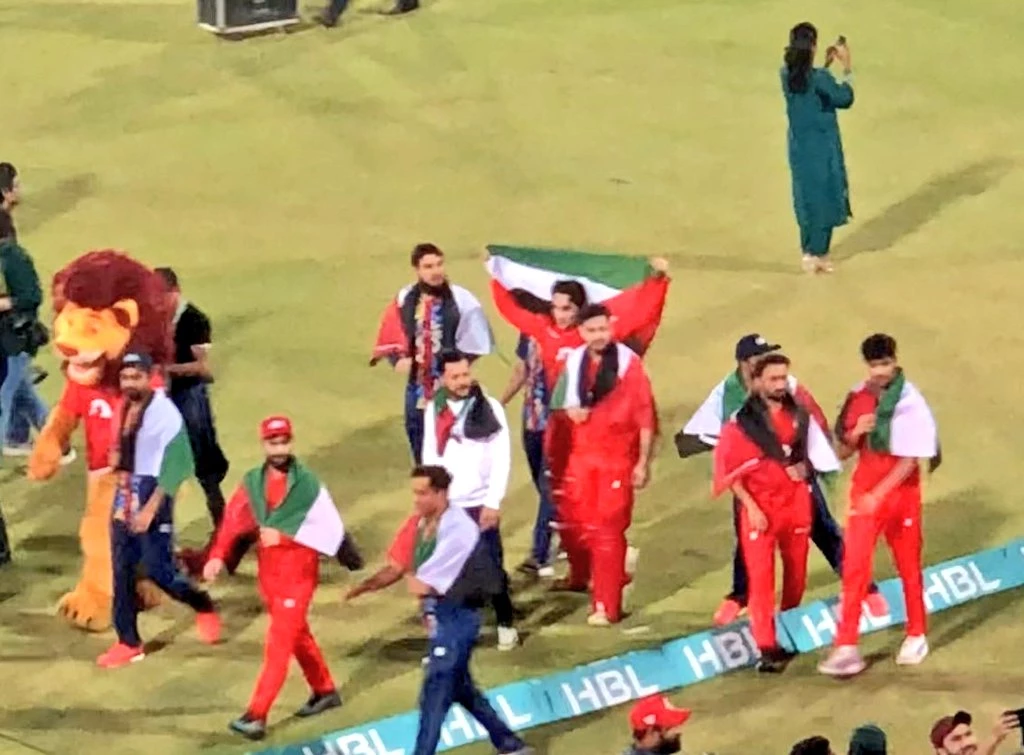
629 286
904 424
162 448
307 514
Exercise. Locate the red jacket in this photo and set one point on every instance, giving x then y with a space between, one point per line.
636 315
280 566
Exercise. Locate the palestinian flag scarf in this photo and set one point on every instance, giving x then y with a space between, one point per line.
307 514
571 390
529 274
475 420
904 424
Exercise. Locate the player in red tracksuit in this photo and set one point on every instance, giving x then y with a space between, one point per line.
889 425
297 523
762 457
605 395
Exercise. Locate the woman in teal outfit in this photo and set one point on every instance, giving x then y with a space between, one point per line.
821 196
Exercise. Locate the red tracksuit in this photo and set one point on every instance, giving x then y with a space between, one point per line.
288 576
897 518
596 504
786 504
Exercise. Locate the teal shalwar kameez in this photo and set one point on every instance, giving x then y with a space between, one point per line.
821 195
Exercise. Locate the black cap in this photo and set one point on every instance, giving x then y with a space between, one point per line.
753 345
137 359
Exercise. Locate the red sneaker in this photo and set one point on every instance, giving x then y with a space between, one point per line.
120 655
728 612
208 627
876 604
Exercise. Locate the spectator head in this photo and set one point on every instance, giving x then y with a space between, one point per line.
568 297
953 735
596 326
10 186
430 489
812 746
879 351
456 373
428 260
170 279
656 723
867 740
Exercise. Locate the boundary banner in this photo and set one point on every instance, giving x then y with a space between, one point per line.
614 681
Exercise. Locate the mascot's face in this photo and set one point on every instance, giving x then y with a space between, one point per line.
87 339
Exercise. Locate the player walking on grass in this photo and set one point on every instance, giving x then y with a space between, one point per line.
439 552
297 522
766 454
466 432
888 424
605 393
701 433
152 460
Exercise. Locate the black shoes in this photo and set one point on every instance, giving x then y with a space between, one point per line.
774 661
403 6
317 704
250 728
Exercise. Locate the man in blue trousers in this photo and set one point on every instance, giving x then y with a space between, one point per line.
447 567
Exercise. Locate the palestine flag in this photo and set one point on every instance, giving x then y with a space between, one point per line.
307 514
162 448
614 280
904 424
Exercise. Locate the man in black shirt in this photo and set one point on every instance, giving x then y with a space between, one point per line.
189 376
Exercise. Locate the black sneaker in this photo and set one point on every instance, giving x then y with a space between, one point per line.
403 6
529 567
317 704
249 727
774 661
326 19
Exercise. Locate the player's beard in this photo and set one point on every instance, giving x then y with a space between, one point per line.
280 462
669 745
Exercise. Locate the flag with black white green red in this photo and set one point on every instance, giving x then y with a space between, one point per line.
307 514
615 280
162 448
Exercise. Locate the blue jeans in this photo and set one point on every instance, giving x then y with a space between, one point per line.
825 534
447 680
413 423
18 399
533 445
153 550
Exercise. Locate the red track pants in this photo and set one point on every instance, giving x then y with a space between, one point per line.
594 514
789 530
288 635
899 519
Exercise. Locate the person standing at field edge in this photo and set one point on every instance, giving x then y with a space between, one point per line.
297 522
329 16
656 722
821 192
439 552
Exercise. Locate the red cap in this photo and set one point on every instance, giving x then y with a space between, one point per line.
945 726
657 712
277 426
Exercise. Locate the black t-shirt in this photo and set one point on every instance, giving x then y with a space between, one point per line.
193 329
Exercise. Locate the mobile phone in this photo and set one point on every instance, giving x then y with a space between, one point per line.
1019 715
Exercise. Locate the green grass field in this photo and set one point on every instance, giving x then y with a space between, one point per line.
287 177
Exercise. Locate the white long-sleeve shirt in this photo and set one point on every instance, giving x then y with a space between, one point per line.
480 469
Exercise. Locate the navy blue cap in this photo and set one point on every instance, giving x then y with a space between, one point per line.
753 345
137 359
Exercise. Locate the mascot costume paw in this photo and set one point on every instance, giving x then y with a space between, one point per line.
104 301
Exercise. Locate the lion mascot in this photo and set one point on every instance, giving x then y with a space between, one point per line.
104 302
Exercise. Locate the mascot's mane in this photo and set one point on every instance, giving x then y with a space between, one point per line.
100 279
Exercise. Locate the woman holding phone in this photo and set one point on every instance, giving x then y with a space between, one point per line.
821 197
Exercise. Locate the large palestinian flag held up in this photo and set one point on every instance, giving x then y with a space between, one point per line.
529 273
307 514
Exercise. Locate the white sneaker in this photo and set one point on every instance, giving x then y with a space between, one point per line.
599 618
21 449
843 662
632 556
508 638
546 572
912 651
69 457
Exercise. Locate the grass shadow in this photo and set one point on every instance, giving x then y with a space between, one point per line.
912 212
54 201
